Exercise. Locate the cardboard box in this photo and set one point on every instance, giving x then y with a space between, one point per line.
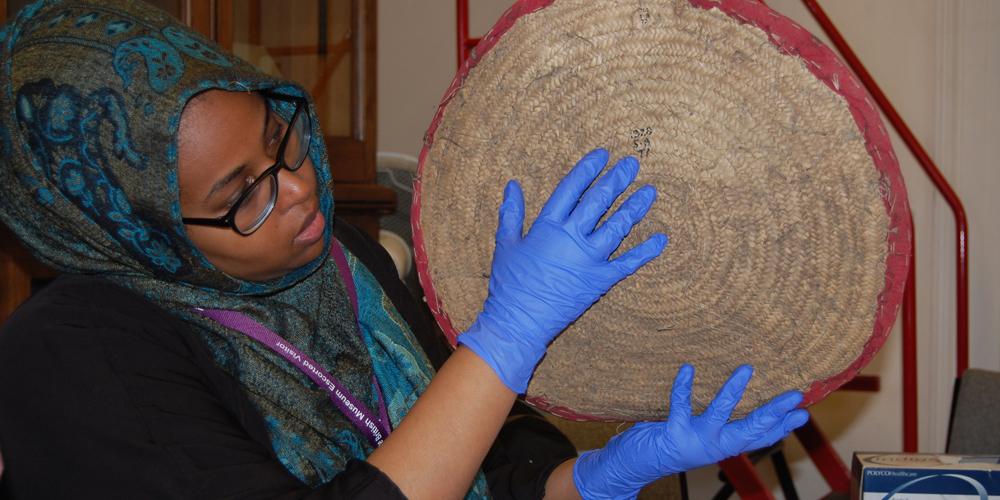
915 476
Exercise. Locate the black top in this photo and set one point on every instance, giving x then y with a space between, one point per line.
105 395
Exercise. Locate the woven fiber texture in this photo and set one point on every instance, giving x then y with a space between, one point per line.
787 217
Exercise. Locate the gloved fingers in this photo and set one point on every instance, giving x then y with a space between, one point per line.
510 227
638 256
599 198
729 395
680 395
765 417
566 195
610 235
793 420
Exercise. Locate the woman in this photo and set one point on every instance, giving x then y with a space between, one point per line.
219 334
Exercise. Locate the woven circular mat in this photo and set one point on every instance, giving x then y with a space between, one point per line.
787 216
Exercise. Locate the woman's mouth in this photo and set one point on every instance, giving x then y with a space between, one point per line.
312 229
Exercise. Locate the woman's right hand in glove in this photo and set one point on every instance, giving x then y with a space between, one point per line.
544 280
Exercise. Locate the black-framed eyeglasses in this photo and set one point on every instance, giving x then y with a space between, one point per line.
257 201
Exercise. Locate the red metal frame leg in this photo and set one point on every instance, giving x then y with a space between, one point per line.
462 29
821 452
910 354
863 383
743 476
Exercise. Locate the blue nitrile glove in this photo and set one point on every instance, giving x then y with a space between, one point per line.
650 450
542 282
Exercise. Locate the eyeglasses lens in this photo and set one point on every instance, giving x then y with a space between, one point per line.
257 205
298 141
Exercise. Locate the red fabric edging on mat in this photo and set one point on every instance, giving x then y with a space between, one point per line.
823 63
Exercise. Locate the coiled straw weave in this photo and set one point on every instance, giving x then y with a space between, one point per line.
788 223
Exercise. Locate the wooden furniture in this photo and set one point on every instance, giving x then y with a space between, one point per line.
328 46
17 270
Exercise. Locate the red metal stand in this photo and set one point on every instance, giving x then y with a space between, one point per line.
822 453
961 236
741 473
465 44
910 352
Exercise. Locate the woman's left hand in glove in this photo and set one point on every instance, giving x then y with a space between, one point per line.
650 450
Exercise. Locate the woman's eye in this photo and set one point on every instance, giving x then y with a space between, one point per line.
233 198
232 201
274 139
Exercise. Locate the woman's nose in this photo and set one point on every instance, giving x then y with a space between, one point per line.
295 187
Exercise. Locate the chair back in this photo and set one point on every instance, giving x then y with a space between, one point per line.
975 415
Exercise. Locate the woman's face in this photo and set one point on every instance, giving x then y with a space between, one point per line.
225 140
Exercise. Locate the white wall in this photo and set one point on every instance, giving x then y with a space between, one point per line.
939 62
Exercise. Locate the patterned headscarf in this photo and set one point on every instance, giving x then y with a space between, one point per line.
91 104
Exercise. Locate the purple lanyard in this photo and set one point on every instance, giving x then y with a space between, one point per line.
357 412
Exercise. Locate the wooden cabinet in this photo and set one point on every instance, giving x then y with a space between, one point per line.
328 46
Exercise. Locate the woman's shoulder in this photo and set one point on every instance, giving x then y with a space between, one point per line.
87 310
110 389
86 295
